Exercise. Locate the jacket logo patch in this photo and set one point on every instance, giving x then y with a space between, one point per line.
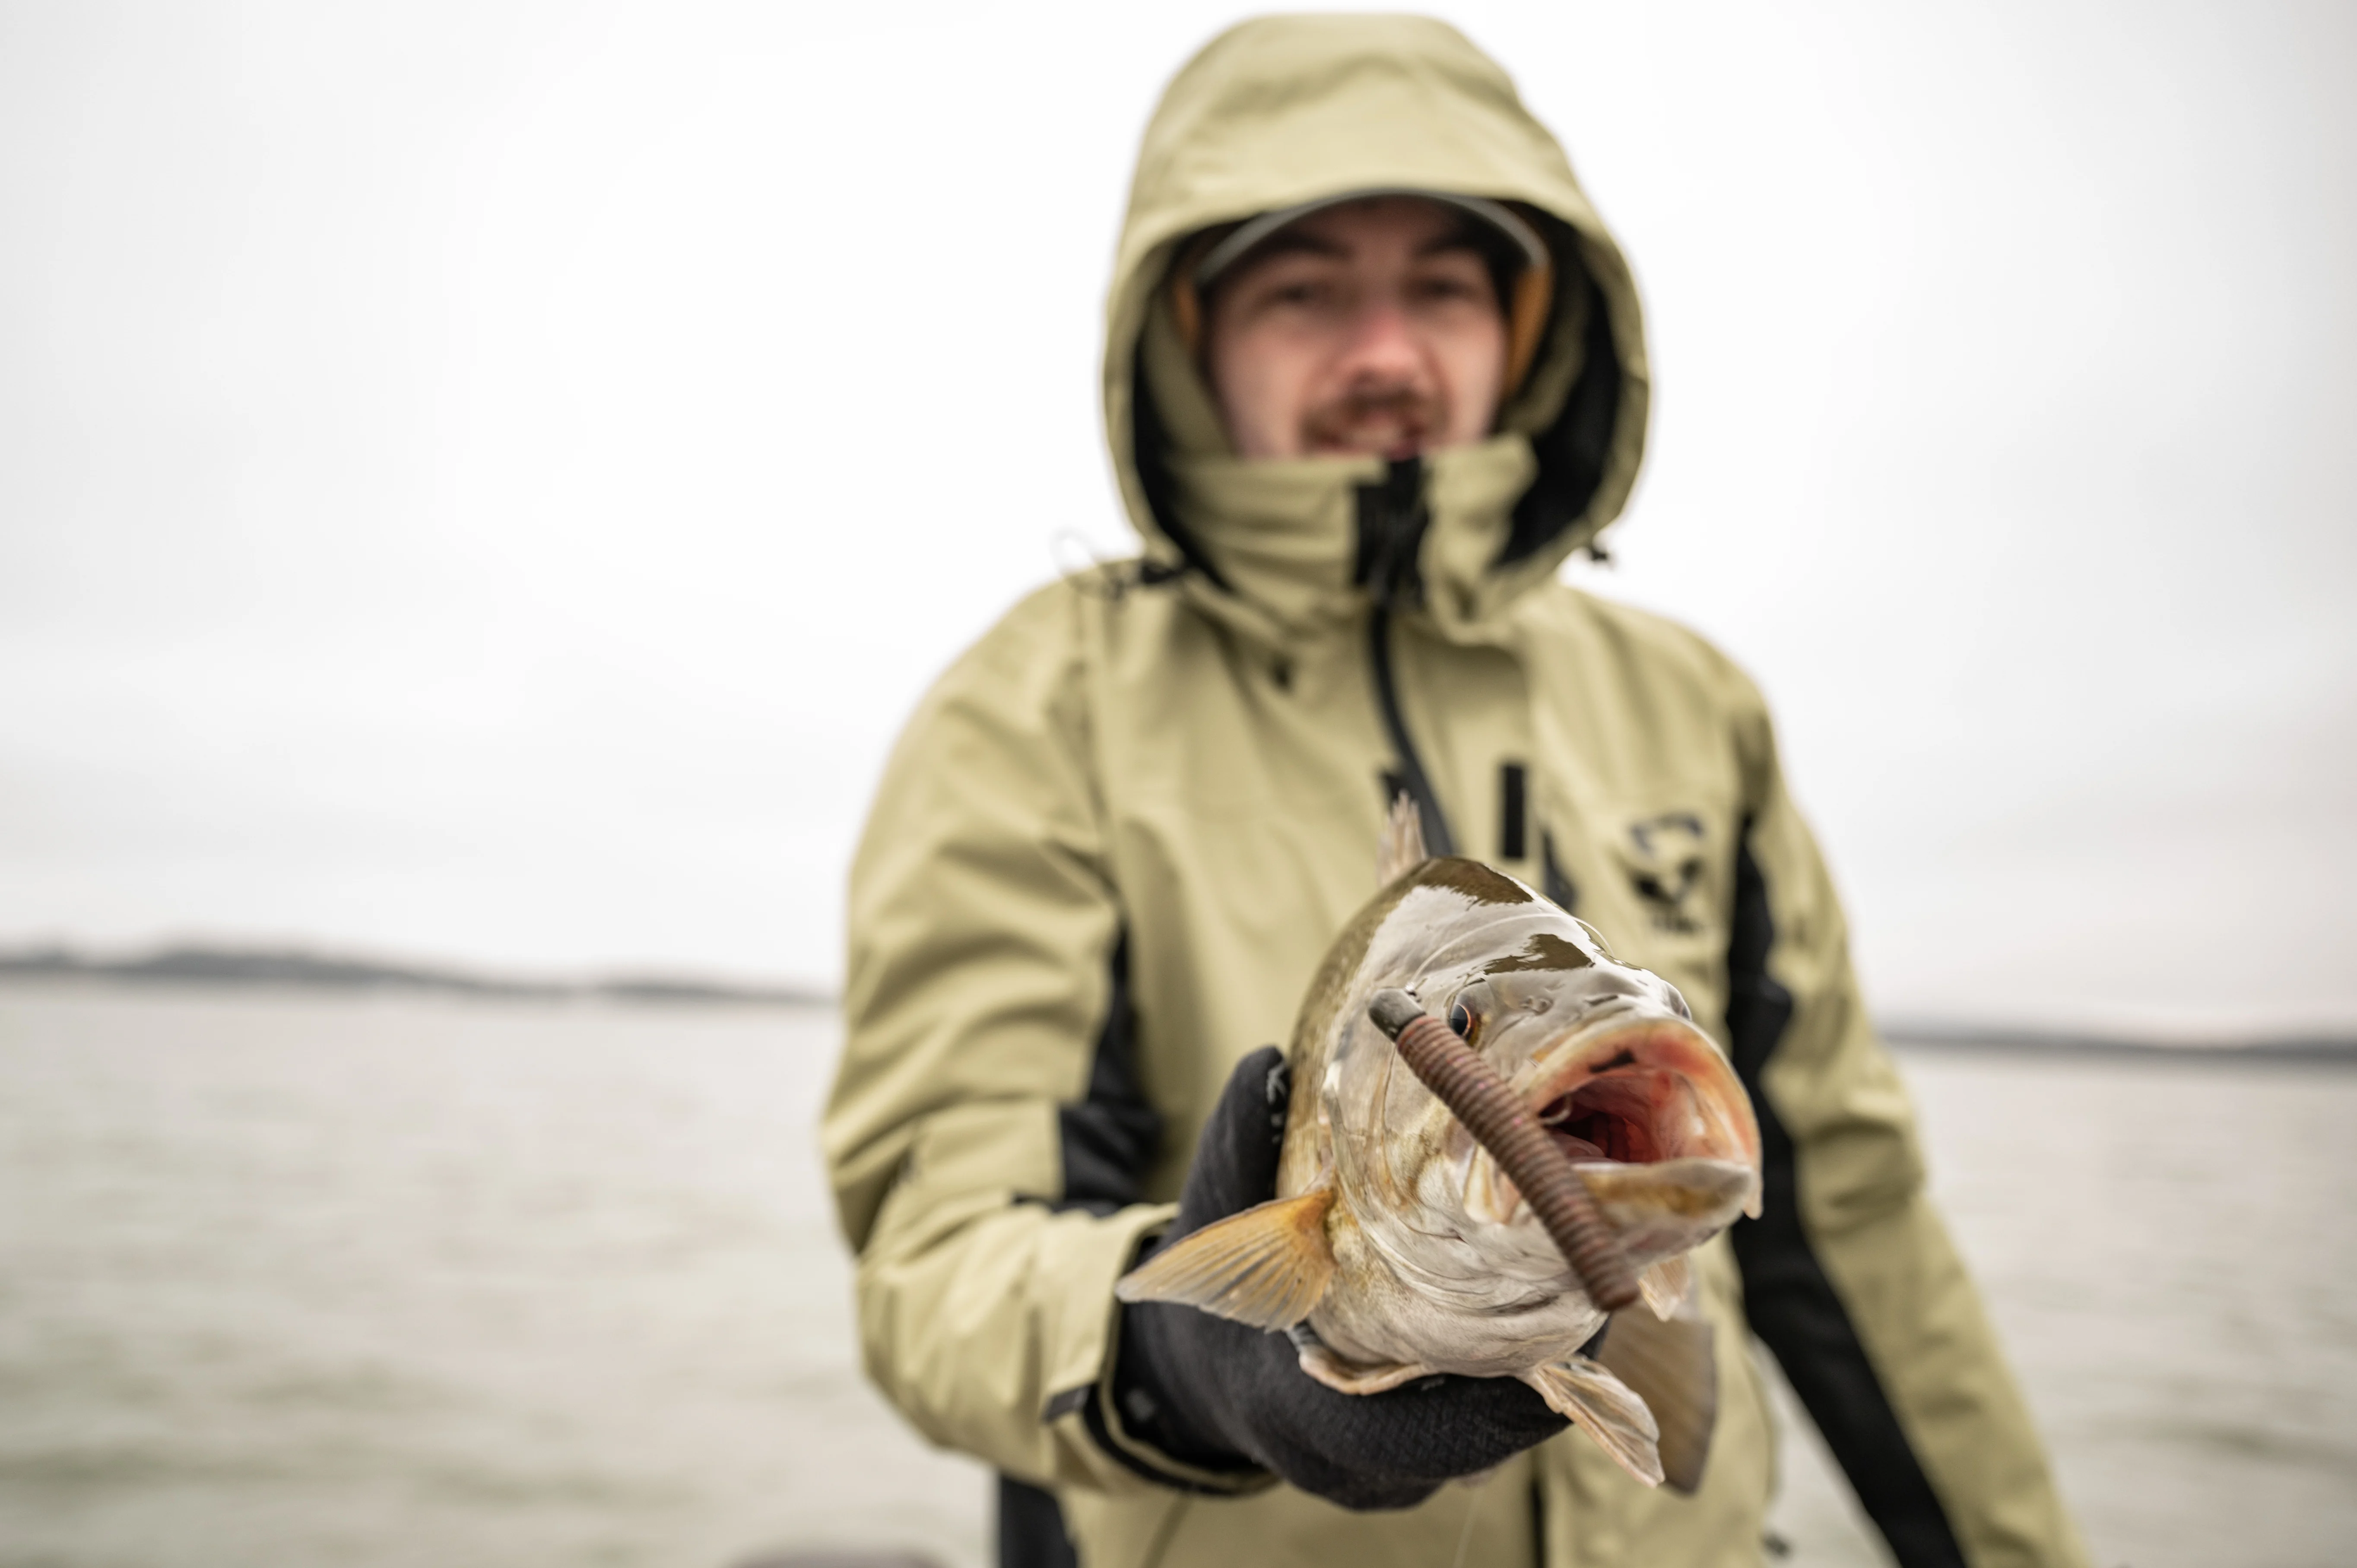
1663 857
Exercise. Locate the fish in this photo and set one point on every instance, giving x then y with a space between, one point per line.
1397 1246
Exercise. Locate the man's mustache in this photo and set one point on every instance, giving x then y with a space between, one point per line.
1400 411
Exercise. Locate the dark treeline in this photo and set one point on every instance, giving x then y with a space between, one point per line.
209 965
204 964
2318 1048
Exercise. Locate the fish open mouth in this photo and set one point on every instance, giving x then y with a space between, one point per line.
1599 1122
1653 1116
1640 1090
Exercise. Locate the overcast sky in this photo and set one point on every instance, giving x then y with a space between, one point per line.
488 481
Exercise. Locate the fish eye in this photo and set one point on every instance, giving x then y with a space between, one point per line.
1461 1018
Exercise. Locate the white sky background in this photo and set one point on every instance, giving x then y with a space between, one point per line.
487 481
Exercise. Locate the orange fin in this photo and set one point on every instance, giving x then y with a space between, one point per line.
1402 849
1671 1364
1605 1409
1267 1266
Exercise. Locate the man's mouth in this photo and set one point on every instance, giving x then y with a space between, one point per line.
1391 427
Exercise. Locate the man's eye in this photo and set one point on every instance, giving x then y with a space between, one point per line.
1445 291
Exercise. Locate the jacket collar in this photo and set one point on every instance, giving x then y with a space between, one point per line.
1291 549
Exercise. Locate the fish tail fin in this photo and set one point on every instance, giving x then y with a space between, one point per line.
1267 1266
1605 1409
1401 849
1672 1366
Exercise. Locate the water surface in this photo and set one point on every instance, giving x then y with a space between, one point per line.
287 1280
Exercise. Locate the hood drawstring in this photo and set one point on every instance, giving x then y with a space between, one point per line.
1393 518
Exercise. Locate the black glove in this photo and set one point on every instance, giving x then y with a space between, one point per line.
1220 1395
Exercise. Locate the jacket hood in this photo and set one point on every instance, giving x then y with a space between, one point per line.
1285 110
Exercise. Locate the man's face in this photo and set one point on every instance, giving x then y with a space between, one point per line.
1368 328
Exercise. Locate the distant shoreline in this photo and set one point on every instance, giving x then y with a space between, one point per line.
295 969
2320 1050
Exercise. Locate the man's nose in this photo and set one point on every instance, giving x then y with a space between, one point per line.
1383 344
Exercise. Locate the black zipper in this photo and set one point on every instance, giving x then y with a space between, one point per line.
1393 518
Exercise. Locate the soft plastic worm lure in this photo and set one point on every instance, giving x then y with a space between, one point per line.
1503 1124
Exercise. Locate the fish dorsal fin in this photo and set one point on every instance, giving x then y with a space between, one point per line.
1605 1409
1402 849
1267 1266
1666 1286
1672 1366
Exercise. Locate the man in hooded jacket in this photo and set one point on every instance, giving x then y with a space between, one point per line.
1118 834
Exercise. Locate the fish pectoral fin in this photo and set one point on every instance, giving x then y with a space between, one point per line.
1671 1364
1402 849
1267 1266
1347 1378
1666 1285
1490 1193
1605 1409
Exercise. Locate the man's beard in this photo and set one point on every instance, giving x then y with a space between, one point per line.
1394 422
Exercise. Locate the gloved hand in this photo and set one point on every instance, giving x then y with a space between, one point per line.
1222 1395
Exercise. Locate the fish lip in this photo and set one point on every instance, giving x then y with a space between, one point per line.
1560 1067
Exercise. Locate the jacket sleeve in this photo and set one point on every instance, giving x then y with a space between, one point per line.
1848 1274
984 1131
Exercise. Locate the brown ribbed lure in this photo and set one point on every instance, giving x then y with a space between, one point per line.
1503 1125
